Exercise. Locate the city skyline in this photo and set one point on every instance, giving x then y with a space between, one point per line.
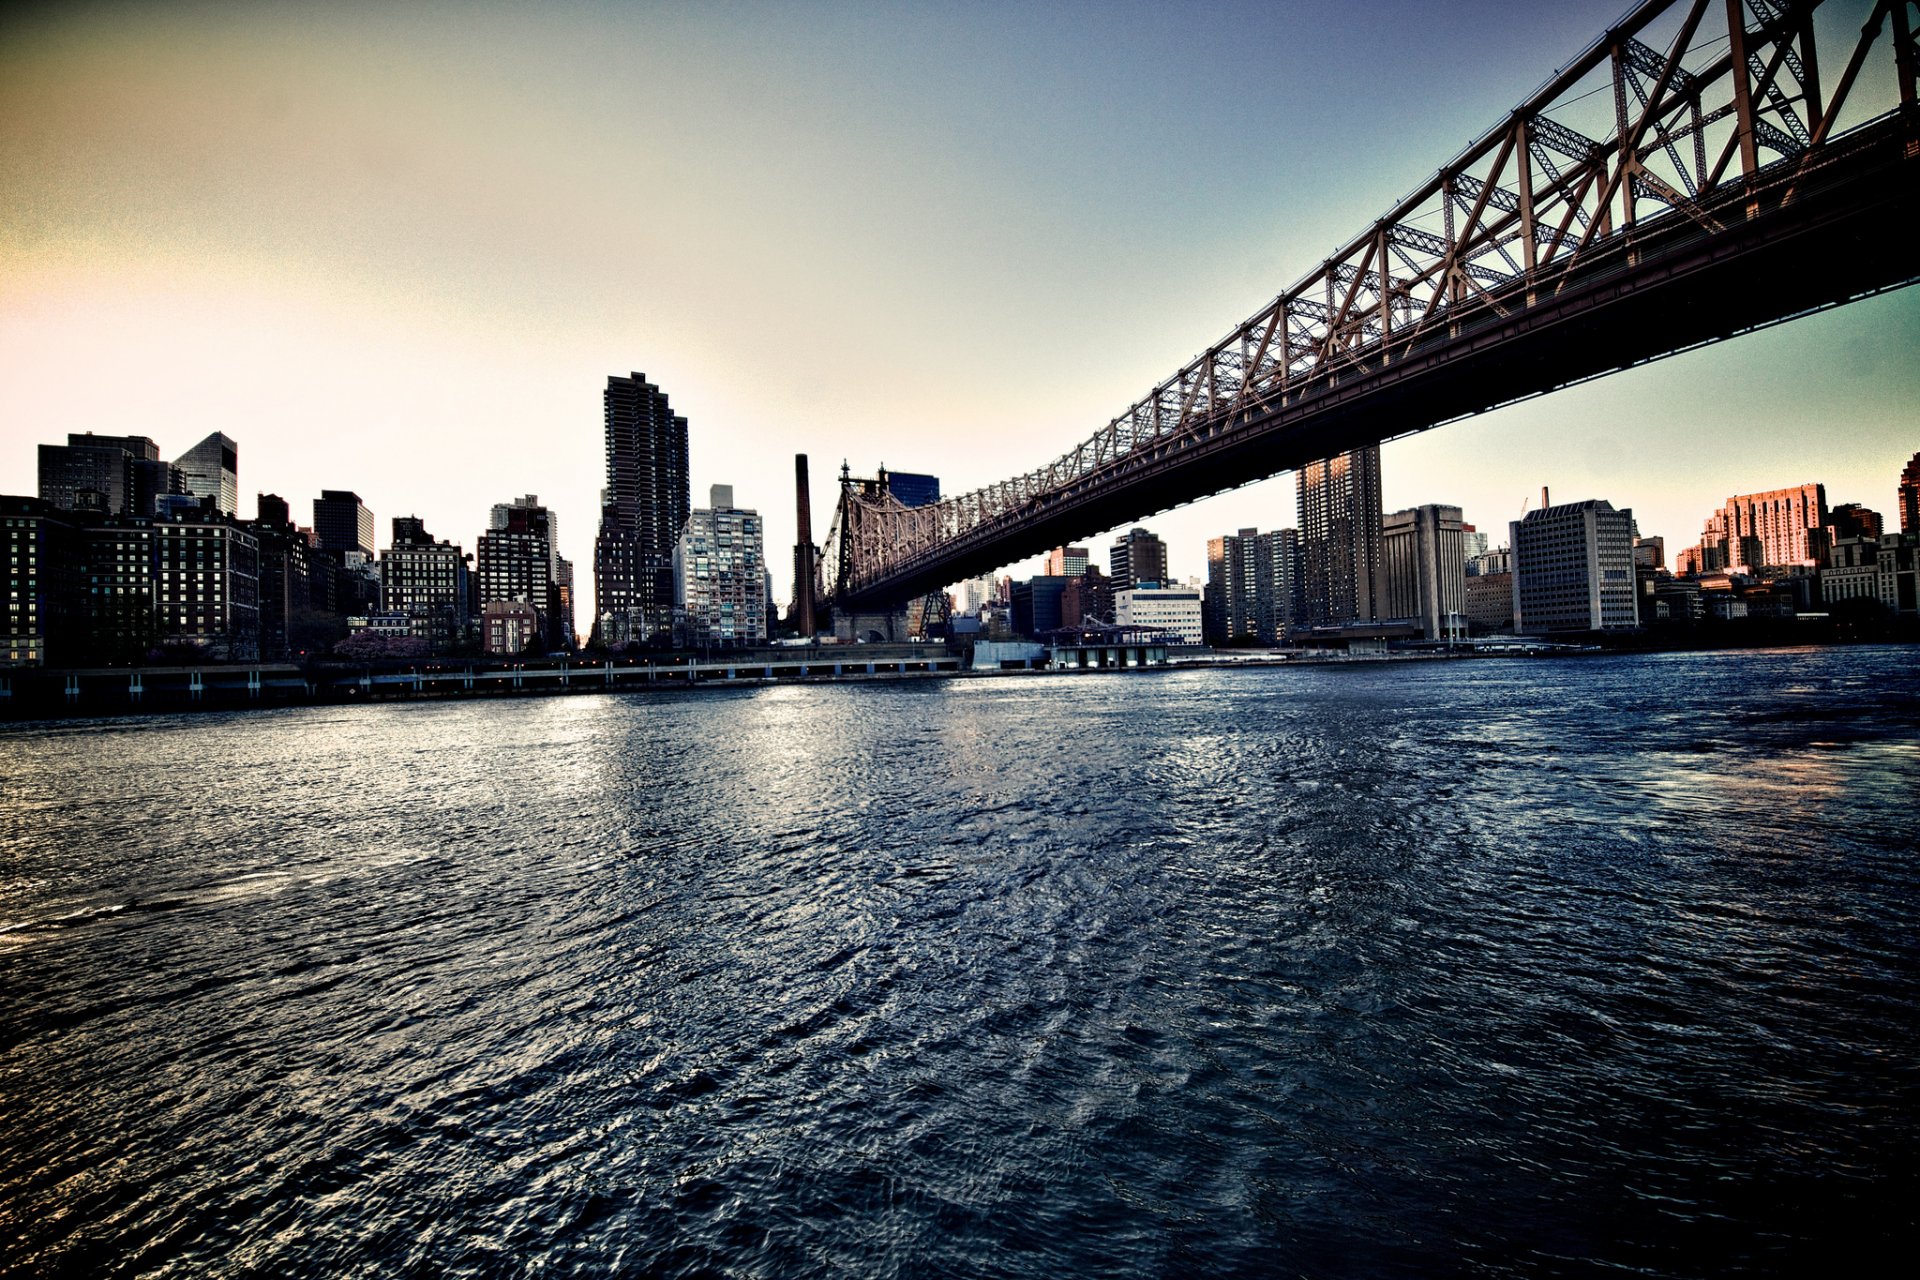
303 231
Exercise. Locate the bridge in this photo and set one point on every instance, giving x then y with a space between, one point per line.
1689 177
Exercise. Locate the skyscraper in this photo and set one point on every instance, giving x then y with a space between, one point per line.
1340 538
1910 496
644 509
211 469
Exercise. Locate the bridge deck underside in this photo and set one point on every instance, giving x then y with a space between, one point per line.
1845 231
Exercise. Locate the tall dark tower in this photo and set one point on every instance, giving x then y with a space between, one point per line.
644 508
1340 538
1910 497
805 576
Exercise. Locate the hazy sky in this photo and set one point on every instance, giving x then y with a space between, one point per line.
398 249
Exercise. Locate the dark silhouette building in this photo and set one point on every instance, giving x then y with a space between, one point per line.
341 522
1910 496
645 506
1088 598
285 583
1036 604
46 608
102 474
807 596
517 564
1136 557
426 581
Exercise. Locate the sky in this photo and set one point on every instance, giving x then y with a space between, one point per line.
398 250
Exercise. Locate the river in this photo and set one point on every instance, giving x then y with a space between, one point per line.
1507 967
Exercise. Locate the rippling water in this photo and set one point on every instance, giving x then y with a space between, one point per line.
1498 967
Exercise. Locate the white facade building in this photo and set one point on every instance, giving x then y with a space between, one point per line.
1174 609
719 576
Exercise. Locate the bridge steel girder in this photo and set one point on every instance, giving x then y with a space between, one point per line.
1360 353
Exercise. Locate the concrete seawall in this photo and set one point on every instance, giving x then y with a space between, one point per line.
27 693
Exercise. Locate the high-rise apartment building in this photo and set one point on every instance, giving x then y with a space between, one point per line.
1253 586
516 564
1340 538
1277 585
558 611
1229 588
1573 569
1777 529
644 510
427 581
342 523
1136 557
1424 569
155 481
1232 607
719 571
45 623
1909 499
206 586
976 594
210 471
563 615
286 579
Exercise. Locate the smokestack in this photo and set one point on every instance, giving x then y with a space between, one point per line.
1544 504
803 571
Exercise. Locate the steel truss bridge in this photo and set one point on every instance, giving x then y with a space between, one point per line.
1698 172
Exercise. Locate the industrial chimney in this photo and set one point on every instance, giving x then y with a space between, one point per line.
803 570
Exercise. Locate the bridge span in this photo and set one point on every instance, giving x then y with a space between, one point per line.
1689 177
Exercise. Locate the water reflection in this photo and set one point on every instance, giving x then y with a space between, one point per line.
1540 966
